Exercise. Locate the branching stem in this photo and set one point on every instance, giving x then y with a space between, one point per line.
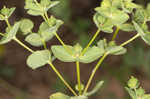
78 76
7 22
102 59
45 17
94 71
130 40
92 40
60 76
23 45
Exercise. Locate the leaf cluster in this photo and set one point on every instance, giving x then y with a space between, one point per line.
35 8
134 89
114 13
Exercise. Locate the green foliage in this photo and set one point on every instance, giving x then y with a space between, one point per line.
26 26
135 91
111 47
92 54
34 39
103 23
5 13
45 33
34 8
59 95
114 13
39 59
144 35
111 13
127 27
11 34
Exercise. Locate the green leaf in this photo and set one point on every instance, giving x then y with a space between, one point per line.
103 23
92 54
116 3
133 83
148 9
131 93
46 31
34 39
95 89
140 92
144 36
111 3
111 48
7 12
138 29
116 50
26 26
34 12
128 6
126 27
79 97
59 95
102 44
140 16
73 55
106 3
4 11
32 8
61 53
11 10
40 8
38 59
11 34
112 13
77 49
52 4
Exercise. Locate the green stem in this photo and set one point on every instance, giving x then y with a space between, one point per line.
60 76
45 17
94 71
102 59
23 45
78 76
130 40
92 40
115 34
7 22
44 44
18 41
135 93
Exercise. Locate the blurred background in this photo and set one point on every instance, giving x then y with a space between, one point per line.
18 81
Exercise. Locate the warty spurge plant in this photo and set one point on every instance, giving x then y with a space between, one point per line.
110 14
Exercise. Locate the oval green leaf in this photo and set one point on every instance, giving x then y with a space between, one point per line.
92 54
61 53
59 95
38 59
26 26
34 39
